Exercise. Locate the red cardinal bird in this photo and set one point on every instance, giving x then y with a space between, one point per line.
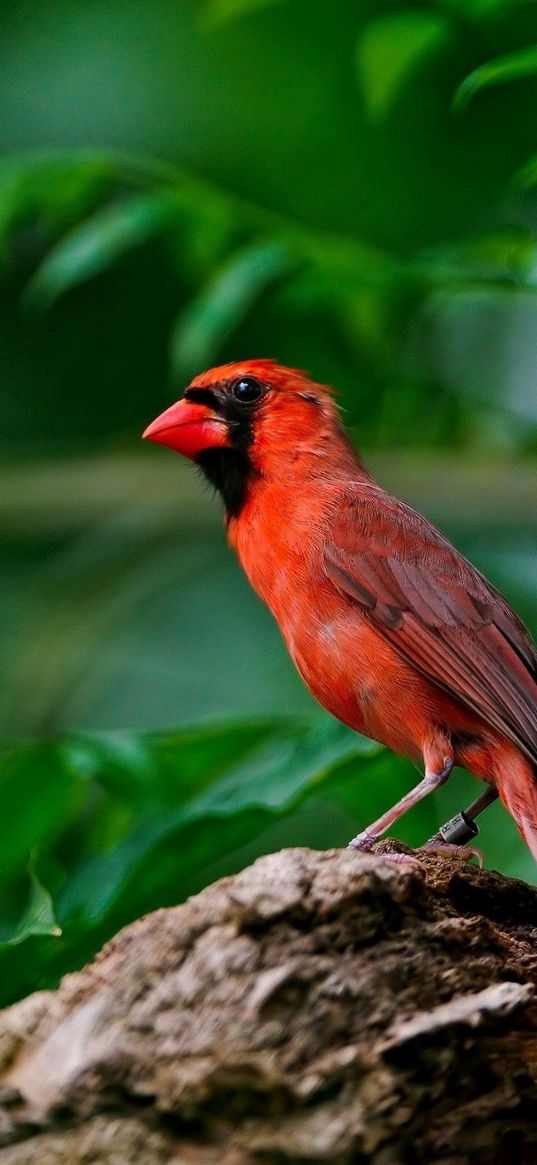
392 630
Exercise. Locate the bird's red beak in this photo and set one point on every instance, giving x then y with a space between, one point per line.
189 428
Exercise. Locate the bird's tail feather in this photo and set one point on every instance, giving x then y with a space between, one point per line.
516 782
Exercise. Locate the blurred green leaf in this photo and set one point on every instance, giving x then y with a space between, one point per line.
502 256
222 10
92 247
208 320
38 918
63 188
38 794
482 344
517 66
191 799
200 221
154 771
281 768
482 11
198 803
526 176
390 49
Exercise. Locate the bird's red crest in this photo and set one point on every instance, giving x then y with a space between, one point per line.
267 370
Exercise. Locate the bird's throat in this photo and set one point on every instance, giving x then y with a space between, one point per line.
230 471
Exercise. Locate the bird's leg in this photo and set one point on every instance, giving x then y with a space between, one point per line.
460 829
431 781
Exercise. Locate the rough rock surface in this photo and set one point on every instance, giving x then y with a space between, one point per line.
318 1007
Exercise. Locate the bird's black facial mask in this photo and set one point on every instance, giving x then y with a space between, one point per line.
230 469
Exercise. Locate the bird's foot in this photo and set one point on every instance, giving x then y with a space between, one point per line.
364 843
446 849
399 859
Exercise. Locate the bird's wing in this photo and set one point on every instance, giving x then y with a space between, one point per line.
439 612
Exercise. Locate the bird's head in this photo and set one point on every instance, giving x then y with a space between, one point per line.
248 420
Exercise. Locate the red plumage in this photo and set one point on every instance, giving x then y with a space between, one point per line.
391 628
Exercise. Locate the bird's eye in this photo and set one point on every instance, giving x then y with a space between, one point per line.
247 389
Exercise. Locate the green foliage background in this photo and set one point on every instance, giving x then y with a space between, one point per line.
346 187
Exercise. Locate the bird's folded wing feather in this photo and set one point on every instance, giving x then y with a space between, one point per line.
437 610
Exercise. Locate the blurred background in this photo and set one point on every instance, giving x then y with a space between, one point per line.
349 188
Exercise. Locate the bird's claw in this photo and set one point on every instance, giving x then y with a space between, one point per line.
446 849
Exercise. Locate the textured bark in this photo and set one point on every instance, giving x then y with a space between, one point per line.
318 1007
